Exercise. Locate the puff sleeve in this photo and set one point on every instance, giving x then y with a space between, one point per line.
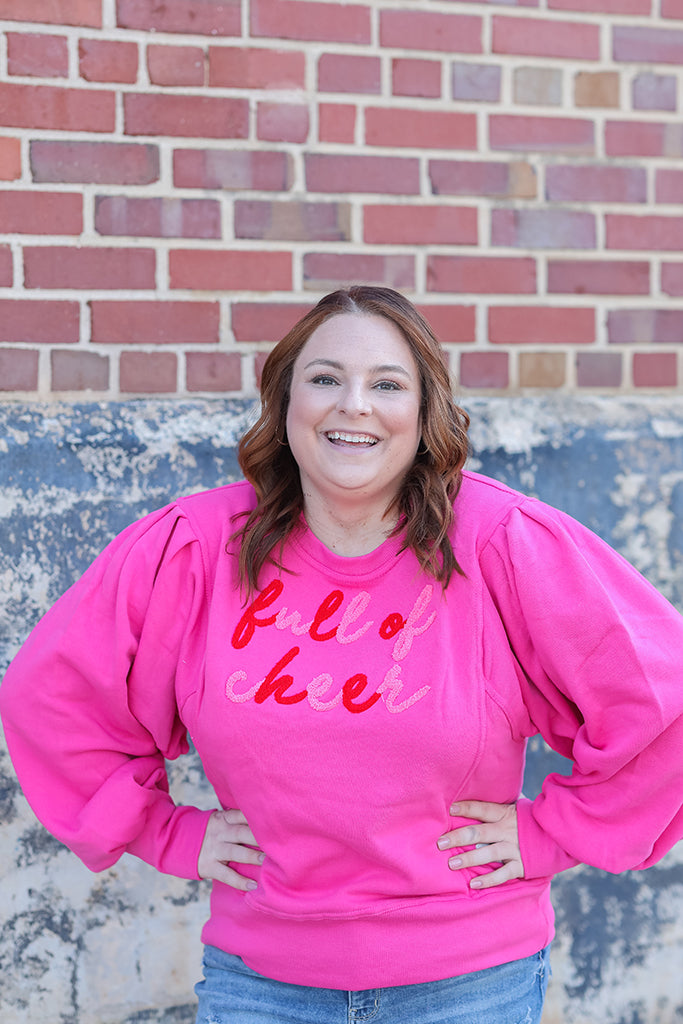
600 656
89 703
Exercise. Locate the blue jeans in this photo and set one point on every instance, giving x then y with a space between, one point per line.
231 993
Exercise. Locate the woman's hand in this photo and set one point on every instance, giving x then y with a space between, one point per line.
495 838
228 838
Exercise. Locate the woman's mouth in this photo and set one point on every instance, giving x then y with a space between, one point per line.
345 437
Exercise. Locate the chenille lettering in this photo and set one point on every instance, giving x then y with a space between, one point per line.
332 622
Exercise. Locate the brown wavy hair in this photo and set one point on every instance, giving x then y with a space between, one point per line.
424 504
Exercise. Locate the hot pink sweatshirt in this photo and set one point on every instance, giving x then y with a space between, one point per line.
343 709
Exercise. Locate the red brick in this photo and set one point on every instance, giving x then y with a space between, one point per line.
29 321
343 72
265 321
231 169
176 65
645 326
543 229
539 325
301 19
194 17
672 278
252 68
10 159
41 213
647 45
332 172
634 7
213 117
430 30
669 185
510 180
213 371
259 363
105 60
98 163
154 323
541 134
148 373
40 55
598 277
596 183
158 217
61 266
513 3
423 129
282 122
484 370
452 324
240 270
624 231
655 369
534 37
598 369
493 275
672 9
79 371
6 267
336 122
292 220
18 369
414 77
57 108
333 270
476 82
643 138
84 13
542 369
420 225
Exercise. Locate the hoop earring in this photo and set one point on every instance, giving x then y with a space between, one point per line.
426 450
285 444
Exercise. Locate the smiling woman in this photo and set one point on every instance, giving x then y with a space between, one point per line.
361 700
382 374
353 427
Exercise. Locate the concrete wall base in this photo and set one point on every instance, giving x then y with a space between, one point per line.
123 947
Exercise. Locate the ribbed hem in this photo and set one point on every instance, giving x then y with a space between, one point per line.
439 938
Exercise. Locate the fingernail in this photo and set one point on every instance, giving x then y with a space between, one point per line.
476 883
261 858
251 884
455 862
455 808
443 843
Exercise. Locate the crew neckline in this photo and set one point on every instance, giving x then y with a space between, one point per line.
357 567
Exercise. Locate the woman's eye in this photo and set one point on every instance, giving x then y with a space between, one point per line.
323 378
388 385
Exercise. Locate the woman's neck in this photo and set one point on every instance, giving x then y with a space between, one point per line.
348 532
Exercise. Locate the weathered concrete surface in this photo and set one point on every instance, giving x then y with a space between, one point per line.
123 947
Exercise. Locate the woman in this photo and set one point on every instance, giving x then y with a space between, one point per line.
359 640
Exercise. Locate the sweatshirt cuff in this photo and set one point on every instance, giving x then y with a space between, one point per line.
541 856
171 843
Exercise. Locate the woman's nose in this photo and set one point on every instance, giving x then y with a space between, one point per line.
354 401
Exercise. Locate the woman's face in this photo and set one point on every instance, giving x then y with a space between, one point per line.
353 422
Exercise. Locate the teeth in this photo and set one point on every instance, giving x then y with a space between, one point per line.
341 435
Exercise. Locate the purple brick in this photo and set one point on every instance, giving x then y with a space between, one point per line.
543 229
476 82
654 92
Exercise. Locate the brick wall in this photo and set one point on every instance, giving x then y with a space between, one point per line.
180 181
